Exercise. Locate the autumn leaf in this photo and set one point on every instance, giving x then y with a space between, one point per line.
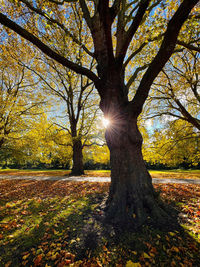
172 234
175 249
25 256
8 263
38 260
146 256
133 264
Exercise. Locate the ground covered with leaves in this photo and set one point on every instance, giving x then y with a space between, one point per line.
55 223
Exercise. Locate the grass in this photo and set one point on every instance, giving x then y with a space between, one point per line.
175 174
54 223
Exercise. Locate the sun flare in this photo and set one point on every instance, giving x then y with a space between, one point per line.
106 122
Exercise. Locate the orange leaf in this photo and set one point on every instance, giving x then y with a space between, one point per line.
38 260
8 264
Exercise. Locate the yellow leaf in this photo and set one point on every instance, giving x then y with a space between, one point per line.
171 233
146 256
152 254
133 264
49 254
25 256
167 238
54 256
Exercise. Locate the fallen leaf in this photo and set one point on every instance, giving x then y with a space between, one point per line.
146 256
25 256
172 234
8 264
133 264
175 249
38 260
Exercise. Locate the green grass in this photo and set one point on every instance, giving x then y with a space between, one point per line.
97 171
54 224
175 171
176 174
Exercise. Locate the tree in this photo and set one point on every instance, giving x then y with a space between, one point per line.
38 146
19 98
132 197
35 147
176 144
176 91
78 102
74 93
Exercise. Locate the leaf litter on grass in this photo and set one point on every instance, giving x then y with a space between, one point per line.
54 223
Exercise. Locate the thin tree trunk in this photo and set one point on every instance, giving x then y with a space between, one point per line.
77 168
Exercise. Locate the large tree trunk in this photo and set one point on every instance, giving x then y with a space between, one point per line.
132 199
77 168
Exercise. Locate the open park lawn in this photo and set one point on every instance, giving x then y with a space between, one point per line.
175 174
57 223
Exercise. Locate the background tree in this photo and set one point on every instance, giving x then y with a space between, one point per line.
132 198
35 147
176 92
175 145
75 95
78 106
20 101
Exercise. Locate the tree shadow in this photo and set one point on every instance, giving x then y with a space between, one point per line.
55 226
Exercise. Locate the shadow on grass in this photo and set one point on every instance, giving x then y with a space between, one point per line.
60 230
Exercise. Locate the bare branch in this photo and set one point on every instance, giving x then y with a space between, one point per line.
62 2
86 14
134 76
140 49
188 46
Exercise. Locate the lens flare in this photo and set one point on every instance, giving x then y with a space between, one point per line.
106 122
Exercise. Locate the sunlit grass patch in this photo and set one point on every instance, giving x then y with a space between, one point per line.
175 174
39 221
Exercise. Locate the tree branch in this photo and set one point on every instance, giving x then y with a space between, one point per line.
115 8
132 29
134 76
164 53
46 49
54 21
188 46
140 49
86 14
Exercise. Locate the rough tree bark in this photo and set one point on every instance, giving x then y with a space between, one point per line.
132 199
77 168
